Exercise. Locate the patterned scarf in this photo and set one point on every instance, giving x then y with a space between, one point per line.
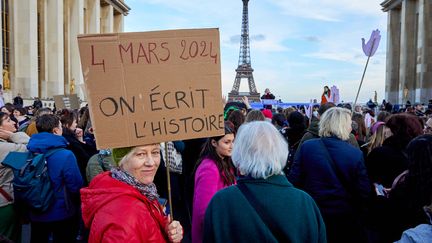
149 190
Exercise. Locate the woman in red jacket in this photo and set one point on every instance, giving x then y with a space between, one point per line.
122 205
326 96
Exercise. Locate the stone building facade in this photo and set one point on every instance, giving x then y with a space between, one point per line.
409 51
40 56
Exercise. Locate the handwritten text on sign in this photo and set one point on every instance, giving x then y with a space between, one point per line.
153 86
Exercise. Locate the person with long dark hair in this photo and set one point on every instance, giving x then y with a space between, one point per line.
412 191
214 171
385 163
326 95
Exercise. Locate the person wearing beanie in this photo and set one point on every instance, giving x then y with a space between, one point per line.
122 204
244 107
267 114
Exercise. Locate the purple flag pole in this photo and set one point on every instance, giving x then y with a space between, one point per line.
369 50
364 72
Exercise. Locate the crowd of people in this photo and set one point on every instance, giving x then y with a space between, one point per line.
336 174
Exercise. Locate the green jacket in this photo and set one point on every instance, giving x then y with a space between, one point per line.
95 163
231 218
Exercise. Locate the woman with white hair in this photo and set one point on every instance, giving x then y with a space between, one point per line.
263 206
333 172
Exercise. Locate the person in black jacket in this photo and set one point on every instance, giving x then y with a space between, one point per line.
385 163
267 96
18 101
74 136
412 191
37 103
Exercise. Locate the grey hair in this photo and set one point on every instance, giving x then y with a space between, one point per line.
127 157
259 150
336 121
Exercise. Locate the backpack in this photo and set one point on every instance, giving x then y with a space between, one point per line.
31 183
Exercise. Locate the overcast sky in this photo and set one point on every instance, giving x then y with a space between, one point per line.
297 46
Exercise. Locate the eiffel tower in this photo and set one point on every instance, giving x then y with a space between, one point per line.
244 69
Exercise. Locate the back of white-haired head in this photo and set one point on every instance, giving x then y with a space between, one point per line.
259 150
336 121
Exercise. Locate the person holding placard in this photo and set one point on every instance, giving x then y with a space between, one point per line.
214 171
122 205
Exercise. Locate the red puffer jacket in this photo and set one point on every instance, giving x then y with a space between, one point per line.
116 212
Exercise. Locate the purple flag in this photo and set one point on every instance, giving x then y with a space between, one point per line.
371 46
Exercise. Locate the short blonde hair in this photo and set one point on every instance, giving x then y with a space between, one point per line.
259 150
336 121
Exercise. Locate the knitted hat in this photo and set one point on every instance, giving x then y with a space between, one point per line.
232 108
119 153
267 113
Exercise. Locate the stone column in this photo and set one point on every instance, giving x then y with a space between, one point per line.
393 56
408 52
94 15
107 19
118 23
55 48
76 23
1 44
25 54
426 74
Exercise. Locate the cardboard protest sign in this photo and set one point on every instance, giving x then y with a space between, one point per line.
67 101
151 87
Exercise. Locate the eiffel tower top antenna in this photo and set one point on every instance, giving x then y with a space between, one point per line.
244 69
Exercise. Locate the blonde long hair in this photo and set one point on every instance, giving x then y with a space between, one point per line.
377 139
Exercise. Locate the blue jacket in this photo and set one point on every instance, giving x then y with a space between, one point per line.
313 173
64 174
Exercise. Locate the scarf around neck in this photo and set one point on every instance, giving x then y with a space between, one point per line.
149 190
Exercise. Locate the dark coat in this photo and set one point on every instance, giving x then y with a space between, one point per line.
341 194
313 172
37 104
82 151
231 218
18 101
269 96
385 163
